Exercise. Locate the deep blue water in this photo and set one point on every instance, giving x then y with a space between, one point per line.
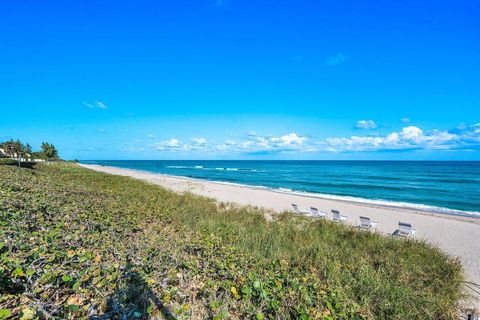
420 184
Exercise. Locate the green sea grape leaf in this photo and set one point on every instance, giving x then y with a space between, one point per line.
5 313
27 314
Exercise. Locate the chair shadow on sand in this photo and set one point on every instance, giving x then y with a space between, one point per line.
132 300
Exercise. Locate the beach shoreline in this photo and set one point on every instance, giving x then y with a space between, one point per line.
438 187
466 216
456 235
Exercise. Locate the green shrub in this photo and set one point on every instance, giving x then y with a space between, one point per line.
8 161
79 243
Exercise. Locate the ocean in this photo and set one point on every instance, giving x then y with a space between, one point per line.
450 187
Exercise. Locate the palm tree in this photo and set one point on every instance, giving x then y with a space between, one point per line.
49 151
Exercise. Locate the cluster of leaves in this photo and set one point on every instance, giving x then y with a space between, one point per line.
49 152
17 149
81 244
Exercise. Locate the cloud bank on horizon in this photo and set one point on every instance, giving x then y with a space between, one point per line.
410 138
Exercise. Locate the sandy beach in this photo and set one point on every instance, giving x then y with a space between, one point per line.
455 235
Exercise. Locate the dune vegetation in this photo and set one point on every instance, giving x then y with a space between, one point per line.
82 244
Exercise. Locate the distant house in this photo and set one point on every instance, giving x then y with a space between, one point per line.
4 154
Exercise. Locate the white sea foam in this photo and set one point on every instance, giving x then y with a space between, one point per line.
206 168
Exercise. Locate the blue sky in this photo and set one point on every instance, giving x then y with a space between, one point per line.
229 79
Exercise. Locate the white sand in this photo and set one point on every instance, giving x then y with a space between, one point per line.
457 236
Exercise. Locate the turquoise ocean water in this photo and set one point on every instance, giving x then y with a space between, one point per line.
447 187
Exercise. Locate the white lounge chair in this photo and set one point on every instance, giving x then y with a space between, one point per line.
299 211
317 213
367 223
337 217
404 230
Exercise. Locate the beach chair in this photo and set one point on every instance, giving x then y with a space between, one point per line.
317 213
367 223
404 230
297 210
337 217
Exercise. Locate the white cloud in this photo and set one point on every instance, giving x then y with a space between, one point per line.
95 104
199 141
289 140
88 105
266 144
198 144
476 128
151 136
411 132
171 145
365 124
466 137
336 60
226 145
409 138
405 120
100 105
175 145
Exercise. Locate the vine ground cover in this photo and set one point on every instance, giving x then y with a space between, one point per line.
79 244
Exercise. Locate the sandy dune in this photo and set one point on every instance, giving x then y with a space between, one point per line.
457 236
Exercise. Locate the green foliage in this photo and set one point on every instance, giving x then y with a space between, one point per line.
7 161
5 313
79 244
49 151
16 149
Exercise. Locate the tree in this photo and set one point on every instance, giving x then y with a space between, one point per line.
28 148
15 149
49 151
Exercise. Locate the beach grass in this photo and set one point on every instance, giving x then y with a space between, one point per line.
83 244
